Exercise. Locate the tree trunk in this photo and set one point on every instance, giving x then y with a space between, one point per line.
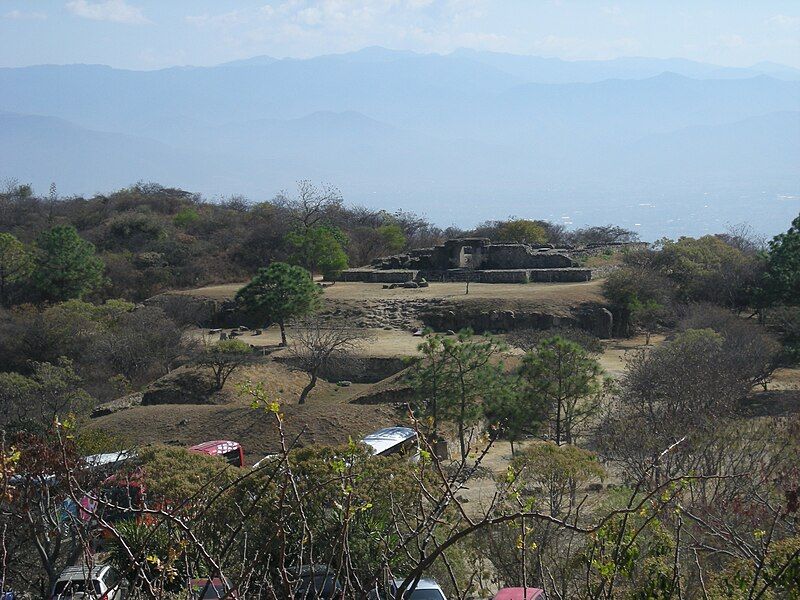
308 388
512 447
461 440
558 423
283 333
435 413
461 417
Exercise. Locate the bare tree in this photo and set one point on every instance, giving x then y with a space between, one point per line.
223 358
316 344
312 203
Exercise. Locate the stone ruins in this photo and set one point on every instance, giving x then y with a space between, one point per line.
473 259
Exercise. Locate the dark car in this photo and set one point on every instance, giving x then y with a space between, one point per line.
210 589
317 582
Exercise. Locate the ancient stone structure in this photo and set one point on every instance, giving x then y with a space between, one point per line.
473 259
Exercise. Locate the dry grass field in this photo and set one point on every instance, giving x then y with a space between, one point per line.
333 414
558 293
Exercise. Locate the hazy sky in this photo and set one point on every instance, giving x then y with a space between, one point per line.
147 34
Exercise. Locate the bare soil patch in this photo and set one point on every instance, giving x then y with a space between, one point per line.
326 418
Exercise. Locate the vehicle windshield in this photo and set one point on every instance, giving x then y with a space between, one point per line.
424 595
232 457
76 586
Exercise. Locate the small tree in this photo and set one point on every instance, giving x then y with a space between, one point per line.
223 358
646 315
631 287
279 293
16 264
511 415
561 376
430 377
392 237
522 231
316 345
686 388
468 376
312 203
320 249
53 391
66 265
708 269
781 282
558 470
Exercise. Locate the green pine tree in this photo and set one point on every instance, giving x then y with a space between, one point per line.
278 294
66 265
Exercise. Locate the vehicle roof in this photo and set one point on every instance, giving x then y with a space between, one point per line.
216 447
516 593
385 438
423 584
81 572
99 460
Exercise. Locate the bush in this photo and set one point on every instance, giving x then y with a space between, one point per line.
707 269
629 289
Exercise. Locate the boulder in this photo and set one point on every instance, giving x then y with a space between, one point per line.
184 386
411 285
599 321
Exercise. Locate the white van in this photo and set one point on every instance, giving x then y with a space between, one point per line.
101 582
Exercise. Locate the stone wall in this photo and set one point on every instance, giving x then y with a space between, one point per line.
377 275
559 275
519 256
544 275
591 317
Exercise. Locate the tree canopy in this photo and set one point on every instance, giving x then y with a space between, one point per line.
782 278
456 377
279 293
522 231
66 265
560 376
16 264
320 249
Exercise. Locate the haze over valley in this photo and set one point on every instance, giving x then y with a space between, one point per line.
664 147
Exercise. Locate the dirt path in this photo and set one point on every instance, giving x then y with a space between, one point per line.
562 293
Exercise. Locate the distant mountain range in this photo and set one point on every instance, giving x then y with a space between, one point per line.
664 146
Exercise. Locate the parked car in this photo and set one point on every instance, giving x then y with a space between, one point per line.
518 593
394 441
228 450
317 582
210 589
101 582
426 589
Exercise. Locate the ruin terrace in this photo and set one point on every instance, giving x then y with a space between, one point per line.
474 259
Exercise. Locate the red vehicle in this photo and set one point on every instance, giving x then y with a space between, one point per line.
518 593
232 452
